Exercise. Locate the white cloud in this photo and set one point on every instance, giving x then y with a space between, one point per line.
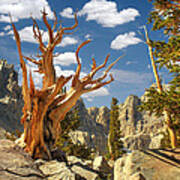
22 9
8 27
131 62
124 40
130 77
68 41
5 18
149 66
88 36
26 34
67 12
106 13
10 32
2 34
103 91
128 62
60 72
65 59
37 78
6 33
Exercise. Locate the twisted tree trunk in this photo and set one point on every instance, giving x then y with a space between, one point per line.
44 109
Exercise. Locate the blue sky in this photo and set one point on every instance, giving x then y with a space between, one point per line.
114 27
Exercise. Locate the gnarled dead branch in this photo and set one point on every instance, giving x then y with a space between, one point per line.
45 108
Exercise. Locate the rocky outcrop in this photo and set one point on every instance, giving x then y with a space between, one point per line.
137 165
148 165
90 132
10 98
16 164
100 115
139 130
100 164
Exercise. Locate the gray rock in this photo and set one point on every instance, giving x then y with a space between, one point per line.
100 164
80 137
137 176
90 133
3 133
10 98
139 130
85 173
74 160
52 167
147 166
16 164
57 170
100 115
138 141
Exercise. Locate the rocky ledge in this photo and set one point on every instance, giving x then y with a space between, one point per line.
17 164
149 164
137 165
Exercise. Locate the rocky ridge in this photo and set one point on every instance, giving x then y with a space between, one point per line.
148 165
90 133
137 165
16 164
139 129
10 98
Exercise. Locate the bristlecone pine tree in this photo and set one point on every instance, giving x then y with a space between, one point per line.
44 108
115 144
166 101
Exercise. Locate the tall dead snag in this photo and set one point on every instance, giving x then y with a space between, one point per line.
45 108
167 116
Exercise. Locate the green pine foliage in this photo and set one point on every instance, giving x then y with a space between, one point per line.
115 144
165 17
71 123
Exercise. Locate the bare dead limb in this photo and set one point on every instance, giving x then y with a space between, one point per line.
44 108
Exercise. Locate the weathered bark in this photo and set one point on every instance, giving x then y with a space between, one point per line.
44 109
167 116
171 130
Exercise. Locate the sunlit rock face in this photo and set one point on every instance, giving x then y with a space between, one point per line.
148 164
17 164
100 115
10 98
90 132
139 130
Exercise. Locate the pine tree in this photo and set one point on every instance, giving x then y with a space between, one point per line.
166 101
115 145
